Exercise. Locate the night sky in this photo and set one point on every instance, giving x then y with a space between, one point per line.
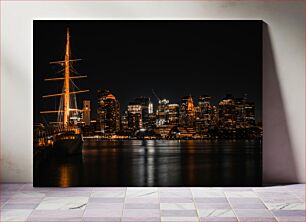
130 58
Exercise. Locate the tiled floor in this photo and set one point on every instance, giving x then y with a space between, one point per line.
22 202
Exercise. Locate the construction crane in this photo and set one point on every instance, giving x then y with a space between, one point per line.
157 97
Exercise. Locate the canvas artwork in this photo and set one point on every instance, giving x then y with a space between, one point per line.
147 103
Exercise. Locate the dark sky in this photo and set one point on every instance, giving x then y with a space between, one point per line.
175 58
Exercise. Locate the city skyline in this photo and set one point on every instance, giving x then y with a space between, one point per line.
154 100
184 60
231 118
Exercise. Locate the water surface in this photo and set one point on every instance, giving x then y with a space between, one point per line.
156 163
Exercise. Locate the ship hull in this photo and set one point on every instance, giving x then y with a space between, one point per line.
68 147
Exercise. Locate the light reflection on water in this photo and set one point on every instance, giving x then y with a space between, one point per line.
156 163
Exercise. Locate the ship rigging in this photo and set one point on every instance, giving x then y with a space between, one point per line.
68 139
68 104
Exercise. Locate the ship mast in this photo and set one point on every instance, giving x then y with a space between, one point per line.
65 109
66 81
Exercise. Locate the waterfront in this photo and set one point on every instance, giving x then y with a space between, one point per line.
156 163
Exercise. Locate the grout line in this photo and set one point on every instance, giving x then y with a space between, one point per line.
194 203
265 205
5 202
23 186
158 196
123 207
231 206
294 194
91 191
35 191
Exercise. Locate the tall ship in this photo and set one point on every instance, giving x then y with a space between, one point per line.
67 137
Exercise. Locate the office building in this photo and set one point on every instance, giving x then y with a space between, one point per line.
108 112
86 112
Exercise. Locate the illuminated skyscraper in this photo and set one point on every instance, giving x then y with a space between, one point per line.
240 112
134 116
162 112
173 114
245 112
187 116
147 110
124 121
204 114
86 112
250 114
227 112
108 113
204 103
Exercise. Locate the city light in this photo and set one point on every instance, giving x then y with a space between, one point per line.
230 118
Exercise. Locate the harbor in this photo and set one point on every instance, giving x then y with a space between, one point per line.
100 137
155 163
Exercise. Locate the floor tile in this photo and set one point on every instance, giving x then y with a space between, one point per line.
176 200
30 188
285 206
179 219
19 206
216 213
208 193
213 205
7 193
141 213
105 200
103 213
179 213
254 219
141 189
67 193
255 213
10 186
237 189
249 200
172 189
210 200
218 219
296 187
277 188
141 192
26 194
14 214
275 197
300 195
141 206
25 200
108 189
142 200
240 194
118 193
175 193
248 206
291 219
177 206
62 203
289 213
54 219
3 200
101 219
57 213
140 219
91 205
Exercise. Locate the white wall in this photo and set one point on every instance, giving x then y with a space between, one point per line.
284 79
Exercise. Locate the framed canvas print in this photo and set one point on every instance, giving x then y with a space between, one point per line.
147 103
